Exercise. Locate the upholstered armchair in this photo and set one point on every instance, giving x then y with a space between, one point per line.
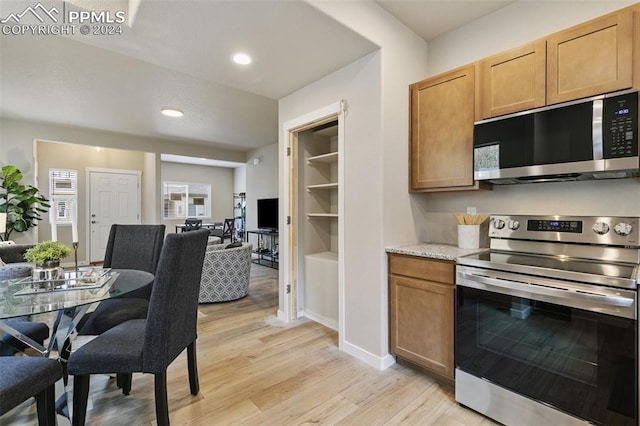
225 273
12 263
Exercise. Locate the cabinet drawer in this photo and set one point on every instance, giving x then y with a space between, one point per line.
418 267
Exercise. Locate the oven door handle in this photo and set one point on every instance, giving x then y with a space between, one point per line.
469 279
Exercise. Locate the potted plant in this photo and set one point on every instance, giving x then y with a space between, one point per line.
46 256
47 253
23 204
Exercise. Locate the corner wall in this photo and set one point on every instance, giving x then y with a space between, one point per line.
376 211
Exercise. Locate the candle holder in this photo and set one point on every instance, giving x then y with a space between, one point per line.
75 255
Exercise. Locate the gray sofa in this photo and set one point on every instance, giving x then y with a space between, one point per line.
12 263
225 273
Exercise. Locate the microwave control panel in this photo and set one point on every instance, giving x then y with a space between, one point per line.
620 126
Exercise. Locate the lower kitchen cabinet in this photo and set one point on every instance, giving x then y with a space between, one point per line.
421 313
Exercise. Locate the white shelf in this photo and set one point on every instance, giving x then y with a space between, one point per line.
315 215
323 255
322 186
331 157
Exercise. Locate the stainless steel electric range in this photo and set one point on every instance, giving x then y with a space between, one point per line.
546 322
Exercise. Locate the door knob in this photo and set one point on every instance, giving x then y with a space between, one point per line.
94 221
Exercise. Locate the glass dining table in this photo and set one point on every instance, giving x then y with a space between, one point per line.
71 296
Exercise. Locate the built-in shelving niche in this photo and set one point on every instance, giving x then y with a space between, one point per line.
319 183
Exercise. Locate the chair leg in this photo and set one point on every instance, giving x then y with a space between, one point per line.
162 405
124 382
80 397
192 363
46 406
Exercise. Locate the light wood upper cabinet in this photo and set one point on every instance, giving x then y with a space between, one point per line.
586 60
441 131
513 81
592 58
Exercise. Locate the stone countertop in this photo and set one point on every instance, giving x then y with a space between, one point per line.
434 251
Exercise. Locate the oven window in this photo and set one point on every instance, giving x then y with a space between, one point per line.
578 361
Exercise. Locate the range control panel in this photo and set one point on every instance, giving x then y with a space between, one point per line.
607 230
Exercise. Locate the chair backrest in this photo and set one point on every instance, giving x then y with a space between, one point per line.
173 307
227 228
134 247
22 377
191 224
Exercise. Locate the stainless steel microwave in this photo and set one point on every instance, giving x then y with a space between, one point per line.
592 138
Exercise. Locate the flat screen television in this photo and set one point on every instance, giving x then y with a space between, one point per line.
268 213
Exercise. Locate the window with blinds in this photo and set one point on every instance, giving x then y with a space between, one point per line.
63 194
182 200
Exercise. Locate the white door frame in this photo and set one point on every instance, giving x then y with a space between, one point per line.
335 111
87 204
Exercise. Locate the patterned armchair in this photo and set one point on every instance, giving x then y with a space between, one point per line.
225 273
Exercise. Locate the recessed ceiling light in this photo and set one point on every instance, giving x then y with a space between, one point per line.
242 59
172 112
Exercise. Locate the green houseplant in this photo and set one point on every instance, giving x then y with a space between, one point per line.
47 252
23 204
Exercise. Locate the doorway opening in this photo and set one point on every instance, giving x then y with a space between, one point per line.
313 268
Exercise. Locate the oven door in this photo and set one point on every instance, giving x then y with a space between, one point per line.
550 344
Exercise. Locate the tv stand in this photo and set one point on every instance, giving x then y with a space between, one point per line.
265 250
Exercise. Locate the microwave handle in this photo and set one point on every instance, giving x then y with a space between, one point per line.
596 129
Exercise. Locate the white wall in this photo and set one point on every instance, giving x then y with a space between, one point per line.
261 180
240 179
53 155
16 147
377 206
511 26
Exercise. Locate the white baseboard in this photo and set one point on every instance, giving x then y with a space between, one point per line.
381 363
282 316
327 322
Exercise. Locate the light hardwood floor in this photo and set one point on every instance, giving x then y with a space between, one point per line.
255 370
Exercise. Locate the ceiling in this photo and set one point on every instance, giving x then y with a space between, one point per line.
177 53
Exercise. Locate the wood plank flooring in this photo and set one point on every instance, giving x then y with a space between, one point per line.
255 370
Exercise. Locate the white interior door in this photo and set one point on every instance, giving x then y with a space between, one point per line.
114 197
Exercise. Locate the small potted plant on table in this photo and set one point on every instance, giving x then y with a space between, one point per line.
46 256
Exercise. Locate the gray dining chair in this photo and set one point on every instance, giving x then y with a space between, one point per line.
24 377
128 247
37 331
191 224
150 345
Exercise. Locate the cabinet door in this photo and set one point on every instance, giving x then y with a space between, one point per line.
589 59
513 81
441 145
421 323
